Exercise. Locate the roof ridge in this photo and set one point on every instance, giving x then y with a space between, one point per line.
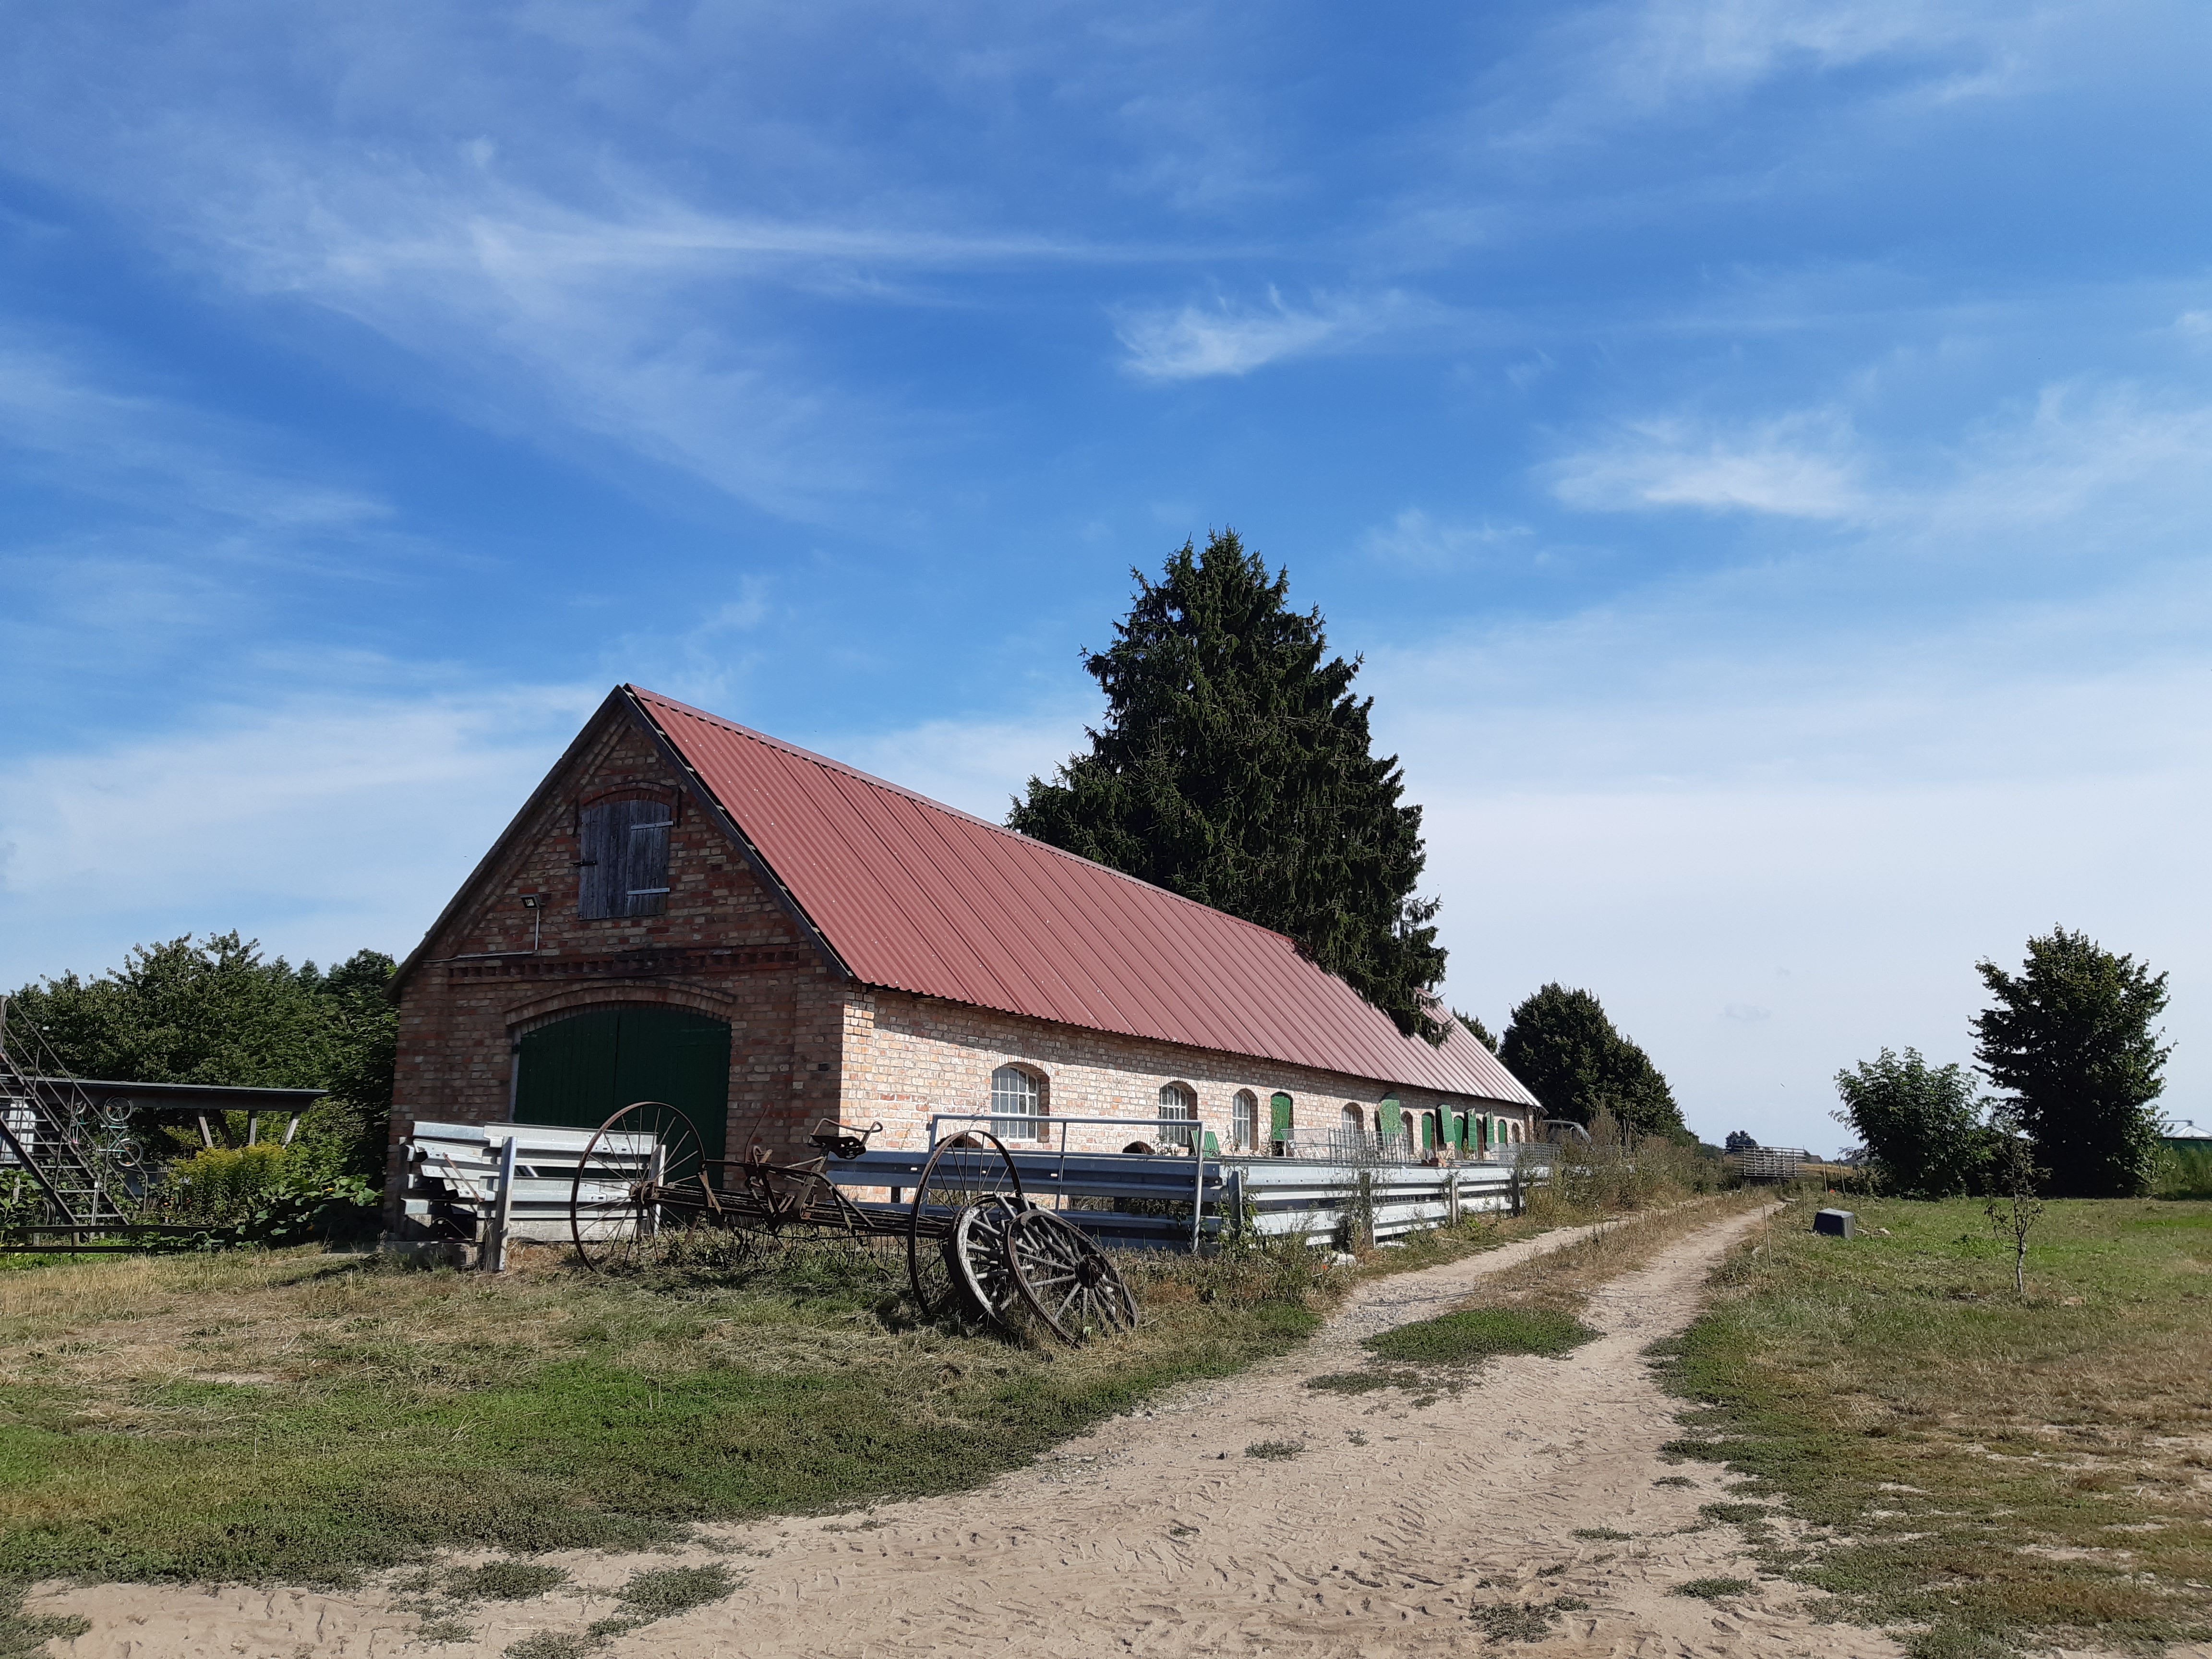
915 795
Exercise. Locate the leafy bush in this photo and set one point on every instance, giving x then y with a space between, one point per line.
2184 1172
1922 1124
270 1194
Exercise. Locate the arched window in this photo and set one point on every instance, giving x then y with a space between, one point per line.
1244 1120
1428 1132
1177 1100
1355 1125
1282 1126
1017 1105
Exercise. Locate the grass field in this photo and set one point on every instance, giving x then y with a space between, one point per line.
305 1417
1982 1473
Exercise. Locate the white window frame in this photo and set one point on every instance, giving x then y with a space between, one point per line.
1017 1106
1244 1120
1177 1100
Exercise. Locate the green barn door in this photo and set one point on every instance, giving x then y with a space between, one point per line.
578 1072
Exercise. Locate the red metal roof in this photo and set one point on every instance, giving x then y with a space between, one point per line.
919 897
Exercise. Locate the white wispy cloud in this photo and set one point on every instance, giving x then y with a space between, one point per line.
321 824
1621 62
1828 811
1193 342
68 422
1417 541
1801 465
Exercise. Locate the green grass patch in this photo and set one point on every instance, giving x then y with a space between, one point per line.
1524 1621
1998 1474
1273 1450
1713 1589
1601 1534
1478 1334
1363 1382
504 1581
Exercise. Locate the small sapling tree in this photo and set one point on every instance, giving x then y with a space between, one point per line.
2014 1208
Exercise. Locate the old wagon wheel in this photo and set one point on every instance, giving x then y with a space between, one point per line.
642 1175
1067 1281
979 1255
961 1173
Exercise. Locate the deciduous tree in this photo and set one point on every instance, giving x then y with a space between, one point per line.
1921 1124
1562 1046
215 1011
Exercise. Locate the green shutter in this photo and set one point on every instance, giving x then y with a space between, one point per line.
1278 1117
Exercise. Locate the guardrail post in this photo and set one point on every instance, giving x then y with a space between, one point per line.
495 1249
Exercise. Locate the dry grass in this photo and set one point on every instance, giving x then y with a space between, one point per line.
1996 1471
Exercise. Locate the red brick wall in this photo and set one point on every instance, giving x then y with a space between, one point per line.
725 947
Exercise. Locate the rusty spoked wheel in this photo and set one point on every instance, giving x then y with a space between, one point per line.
642 1177
966 1171
979 1255
1067 1281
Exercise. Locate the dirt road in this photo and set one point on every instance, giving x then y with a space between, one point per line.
1393 1529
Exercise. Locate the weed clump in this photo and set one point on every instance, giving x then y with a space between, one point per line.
1714 1590
1525 1621
1273 1450
549 1644
503 1581
1363 1382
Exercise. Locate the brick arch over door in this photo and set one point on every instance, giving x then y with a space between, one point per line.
578 1069
541 1010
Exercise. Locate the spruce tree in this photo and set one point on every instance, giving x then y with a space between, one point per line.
1234 767
1562 1046
2070 1037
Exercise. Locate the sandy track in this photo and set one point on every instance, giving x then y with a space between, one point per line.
1157 1534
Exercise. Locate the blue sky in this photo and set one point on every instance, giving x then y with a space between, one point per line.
1760 449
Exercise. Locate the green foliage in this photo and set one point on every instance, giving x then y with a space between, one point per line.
268 1194
1714 1590
1273 1451
1234 767
2070 1038
1562 1046
1479 1334
1477 1029
2183 1172
1524 1621
1922 1124
216 1011
504 1581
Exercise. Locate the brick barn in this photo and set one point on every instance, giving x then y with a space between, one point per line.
688 911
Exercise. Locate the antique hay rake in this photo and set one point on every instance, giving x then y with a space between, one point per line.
975 1242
